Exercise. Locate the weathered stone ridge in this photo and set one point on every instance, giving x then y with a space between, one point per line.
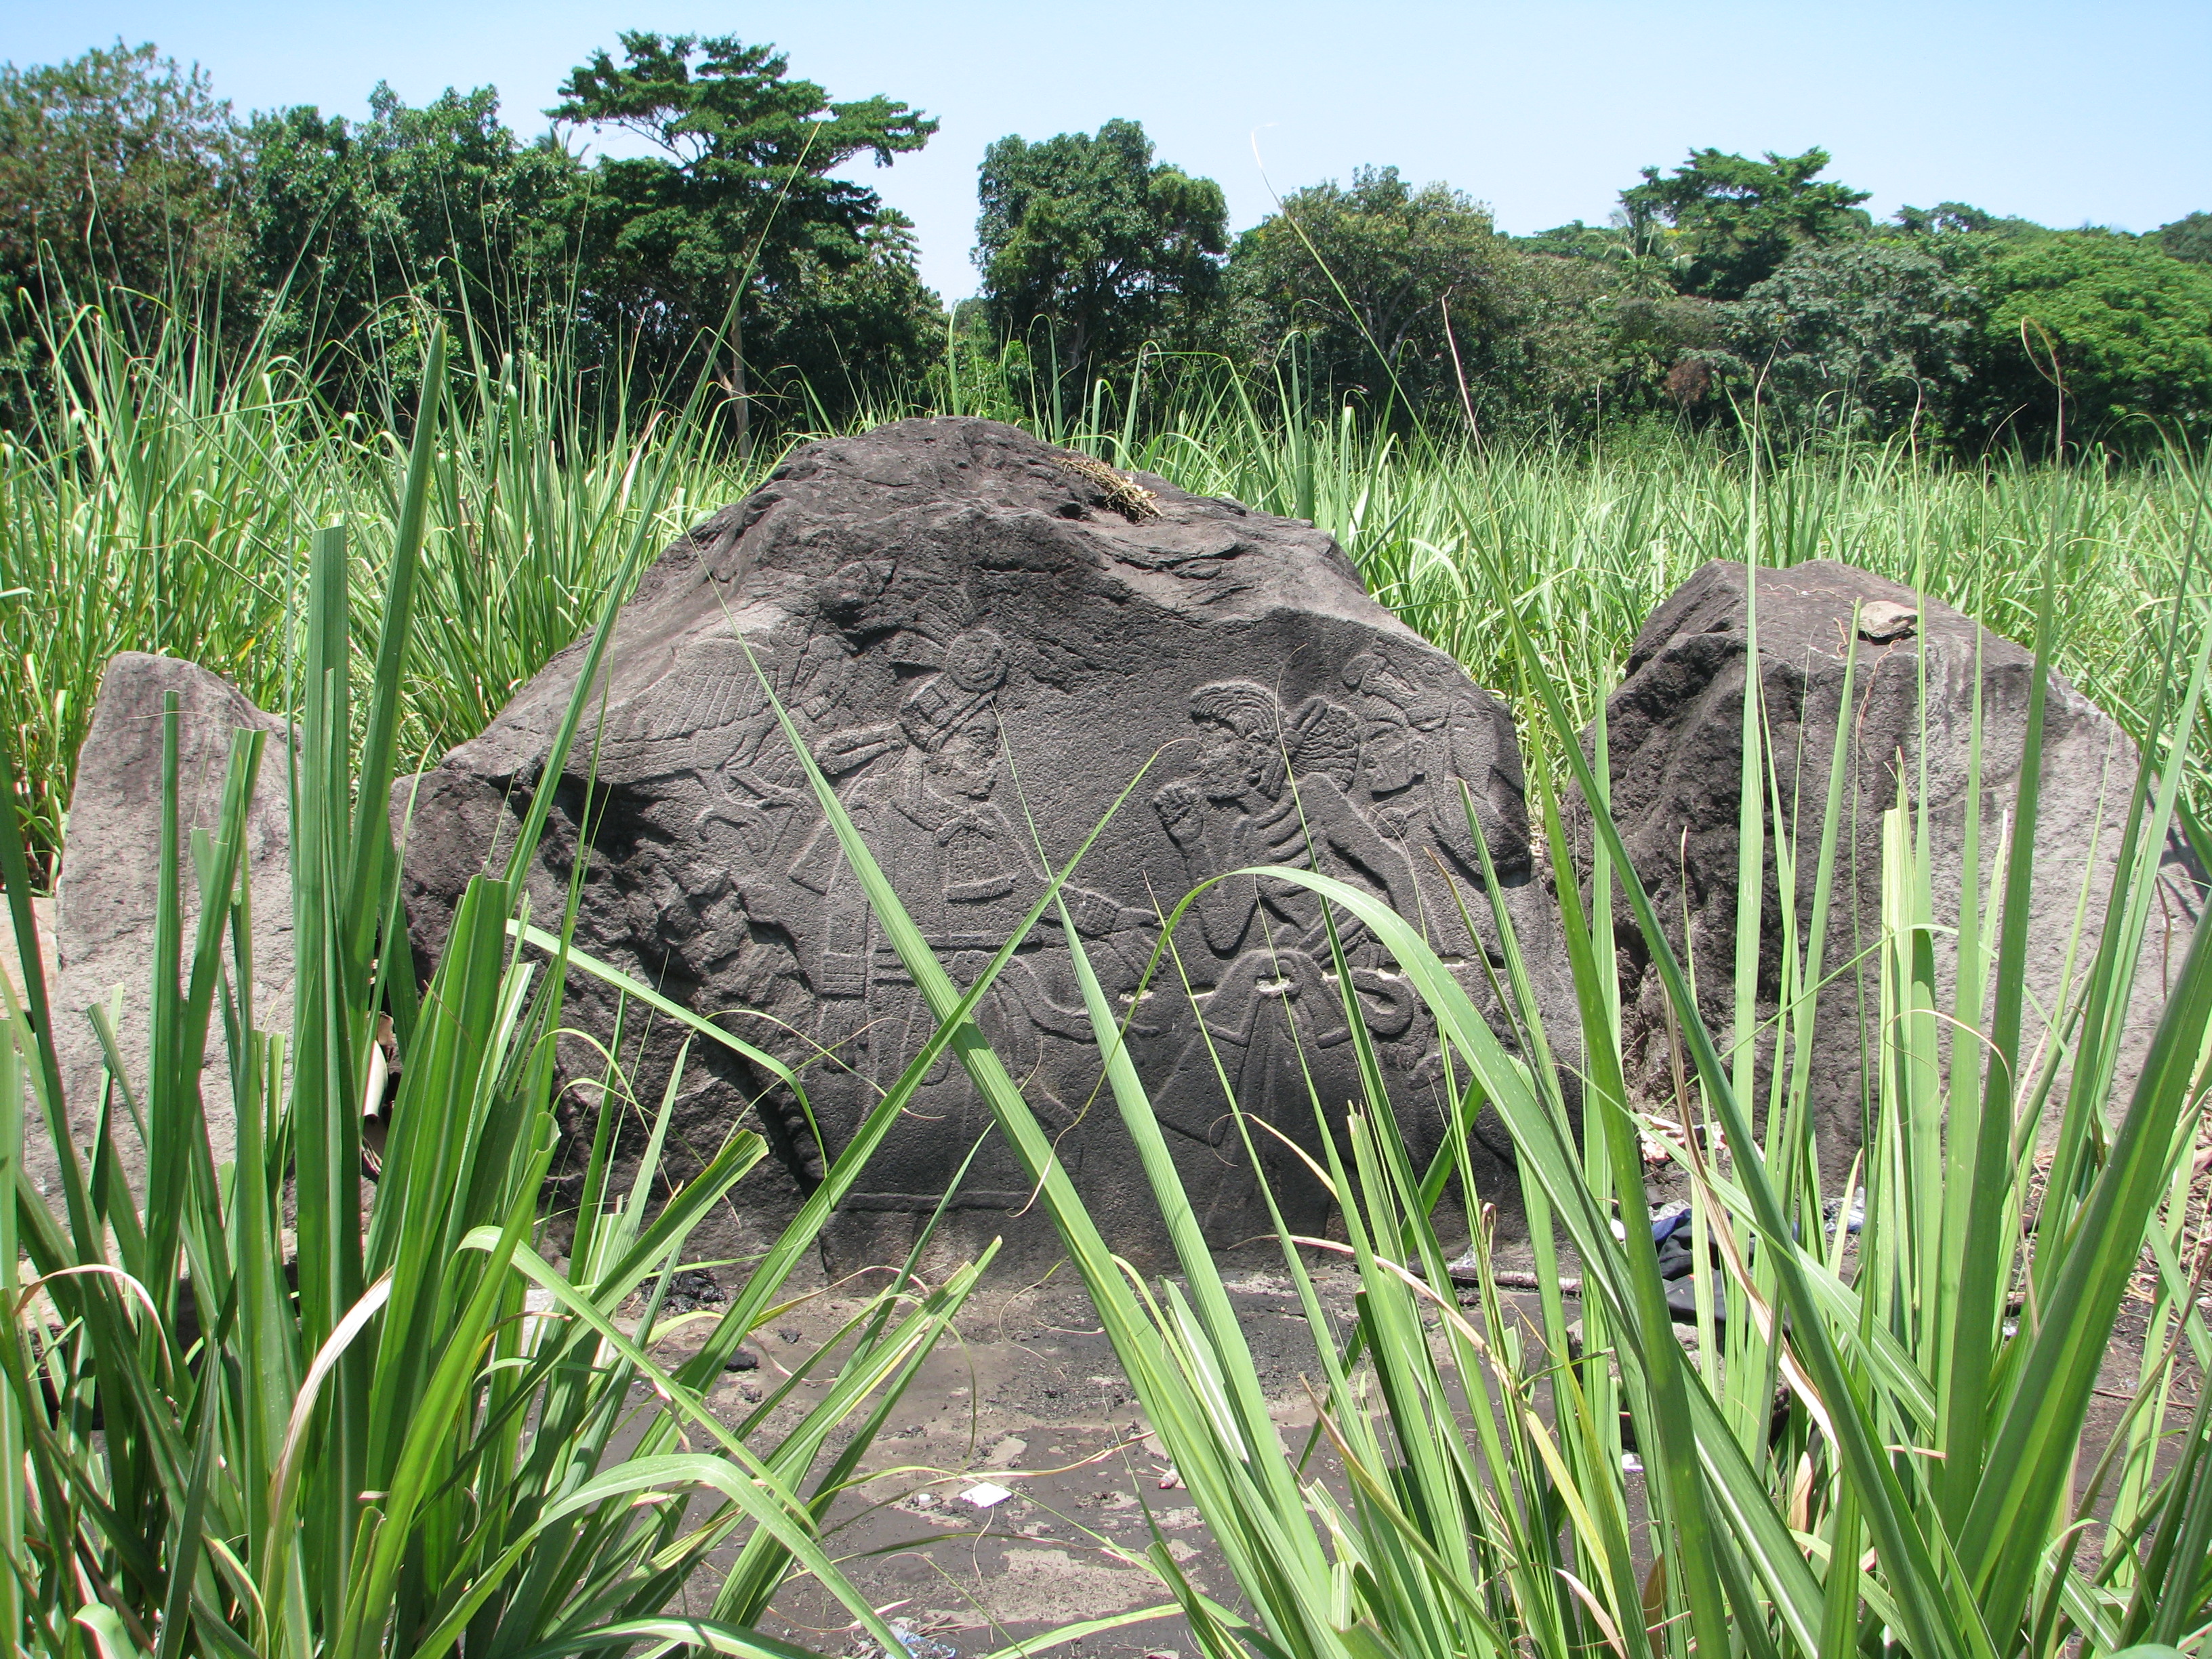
105 899
984 646
1675 733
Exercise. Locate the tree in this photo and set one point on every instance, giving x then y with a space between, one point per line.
1731 222
2130 328
737 215
1404 294
1872 335
116 169
1092 236
2189 238
441 205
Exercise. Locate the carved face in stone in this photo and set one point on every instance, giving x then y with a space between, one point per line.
1238 723
1229 762
967 763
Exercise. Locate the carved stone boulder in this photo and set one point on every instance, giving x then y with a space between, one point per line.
985 641
1674 740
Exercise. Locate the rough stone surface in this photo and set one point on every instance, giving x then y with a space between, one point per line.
1675 731
111 874
975 632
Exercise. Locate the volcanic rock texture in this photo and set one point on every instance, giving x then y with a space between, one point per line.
107 896
1674 738
985 641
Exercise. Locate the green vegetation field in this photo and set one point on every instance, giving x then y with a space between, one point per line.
266 1409
392 1460
165 508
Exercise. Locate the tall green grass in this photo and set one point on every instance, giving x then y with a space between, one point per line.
295 1405
167 505
1875 1453
166 501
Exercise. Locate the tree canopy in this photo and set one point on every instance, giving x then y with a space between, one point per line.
2189 238
1864 335
2129 325
1090 236
442 204
1411 297
1366 275
1731 221
744 245
738 213
116 167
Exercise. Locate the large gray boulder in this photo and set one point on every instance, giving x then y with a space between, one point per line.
985 639
106 898
1674 738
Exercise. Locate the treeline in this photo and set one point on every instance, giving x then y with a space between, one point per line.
1727 287
731 255
729 249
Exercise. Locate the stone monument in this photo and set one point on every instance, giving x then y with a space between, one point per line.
984 640
1674 739
110 882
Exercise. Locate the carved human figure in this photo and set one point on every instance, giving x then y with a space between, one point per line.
1269 787
1415 750
967 874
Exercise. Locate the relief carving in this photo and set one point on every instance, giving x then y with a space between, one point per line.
980 659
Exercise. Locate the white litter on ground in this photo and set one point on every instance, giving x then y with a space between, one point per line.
984 1493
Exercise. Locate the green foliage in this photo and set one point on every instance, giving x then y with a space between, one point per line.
1729 222
2126 328
404 1450
1090 249
1481 1449
160 504
358 225
167 507
737 224
118 172
1872 334
339 241
1779 1516
1582 241
1410 298
1963 219
117 167
2188 238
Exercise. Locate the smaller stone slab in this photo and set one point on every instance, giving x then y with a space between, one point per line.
1674 738
109 882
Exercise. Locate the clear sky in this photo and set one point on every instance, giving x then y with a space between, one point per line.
2067 114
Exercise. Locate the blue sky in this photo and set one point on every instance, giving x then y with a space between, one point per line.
2064 114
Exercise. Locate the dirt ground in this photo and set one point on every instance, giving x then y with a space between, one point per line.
1027 1396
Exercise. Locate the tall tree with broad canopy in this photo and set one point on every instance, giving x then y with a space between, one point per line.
442 204
1412 297
1090 236
738 215
1731 222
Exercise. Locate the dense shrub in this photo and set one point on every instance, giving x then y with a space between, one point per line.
2127 327
1858 336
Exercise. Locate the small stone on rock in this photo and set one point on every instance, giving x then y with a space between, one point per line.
1884 620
